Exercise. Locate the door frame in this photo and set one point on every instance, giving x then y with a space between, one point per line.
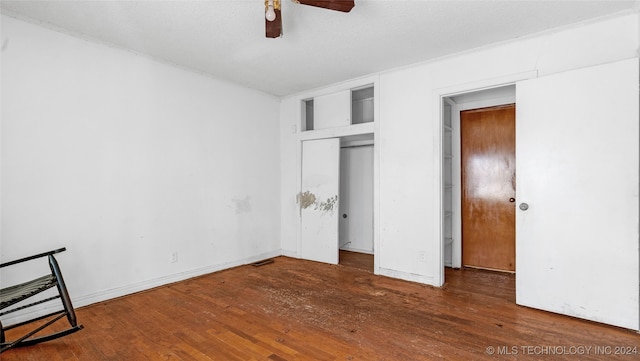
457 167
439 97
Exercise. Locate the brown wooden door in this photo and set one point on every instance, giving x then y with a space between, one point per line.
488 187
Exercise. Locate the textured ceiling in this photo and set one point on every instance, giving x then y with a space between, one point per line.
225 38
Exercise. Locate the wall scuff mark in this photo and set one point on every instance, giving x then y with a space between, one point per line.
328 205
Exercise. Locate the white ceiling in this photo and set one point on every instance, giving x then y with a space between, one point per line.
225 38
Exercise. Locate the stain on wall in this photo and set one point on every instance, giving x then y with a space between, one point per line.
242 205
307 199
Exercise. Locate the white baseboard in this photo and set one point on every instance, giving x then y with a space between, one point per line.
49 307
428 280
105 295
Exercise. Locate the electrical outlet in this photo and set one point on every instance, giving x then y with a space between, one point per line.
174 257
422 256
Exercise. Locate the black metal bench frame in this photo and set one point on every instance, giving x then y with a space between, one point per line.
12 295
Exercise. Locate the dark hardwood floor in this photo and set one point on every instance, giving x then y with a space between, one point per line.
358 260
300 310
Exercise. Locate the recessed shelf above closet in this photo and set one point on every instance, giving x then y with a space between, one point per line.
339 109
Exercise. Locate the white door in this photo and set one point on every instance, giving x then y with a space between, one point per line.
356 198
318 200
577 169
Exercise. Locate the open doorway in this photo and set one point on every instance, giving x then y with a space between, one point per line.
356 201
459 215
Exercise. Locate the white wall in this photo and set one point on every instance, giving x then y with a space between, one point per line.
356 198
290 160
125 160
409 132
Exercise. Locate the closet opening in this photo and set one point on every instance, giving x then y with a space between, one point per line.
474 177
355 234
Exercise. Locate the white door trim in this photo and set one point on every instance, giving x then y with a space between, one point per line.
438 96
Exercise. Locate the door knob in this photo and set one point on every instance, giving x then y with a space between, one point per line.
344 215
512 200
524 206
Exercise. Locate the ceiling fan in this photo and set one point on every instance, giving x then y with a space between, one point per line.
273 16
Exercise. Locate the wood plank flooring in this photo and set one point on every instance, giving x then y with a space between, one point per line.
301 310
362 261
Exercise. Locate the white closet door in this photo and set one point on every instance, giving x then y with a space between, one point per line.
318 200
577 165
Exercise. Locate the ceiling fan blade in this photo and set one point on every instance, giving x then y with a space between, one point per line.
339 5
273 29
